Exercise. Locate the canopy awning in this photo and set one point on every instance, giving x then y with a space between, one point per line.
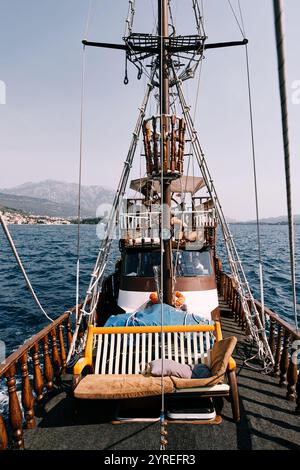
185 184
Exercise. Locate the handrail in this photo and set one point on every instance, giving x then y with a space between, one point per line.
282 336
15 356
276 318
18 365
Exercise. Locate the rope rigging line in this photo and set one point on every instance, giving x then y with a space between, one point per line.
260 262
20 264
88 21
241 26
92 295
163 441
80 182
183 193
280 42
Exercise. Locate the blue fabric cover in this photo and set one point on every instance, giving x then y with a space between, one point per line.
151 316
201 371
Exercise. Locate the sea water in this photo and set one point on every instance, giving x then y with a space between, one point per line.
49 253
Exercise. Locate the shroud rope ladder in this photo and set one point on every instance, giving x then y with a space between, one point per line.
255 327
102 259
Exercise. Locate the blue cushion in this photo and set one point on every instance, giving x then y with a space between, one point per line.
201 371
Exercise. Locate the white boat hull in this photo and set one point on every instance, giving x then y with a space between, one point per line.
200 303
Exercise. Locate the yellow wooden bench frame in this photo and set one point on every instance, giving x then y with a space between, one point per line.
87 360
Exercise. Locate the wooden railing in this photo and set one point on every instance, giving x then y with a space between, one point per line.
282 336
48 347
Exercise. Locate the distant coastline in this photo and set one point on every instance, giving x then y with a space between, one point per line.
14 217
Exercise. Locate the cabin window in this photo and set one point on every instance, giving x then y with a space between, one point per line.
187 263
140 264
193 263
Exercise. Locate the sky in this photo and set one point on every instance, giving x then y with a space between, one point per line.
40 64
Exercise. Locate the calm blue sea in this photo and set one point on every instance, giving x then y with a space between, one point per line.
49 256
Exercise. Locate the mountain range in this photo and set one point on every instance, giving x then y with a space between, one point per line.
55 198
59 199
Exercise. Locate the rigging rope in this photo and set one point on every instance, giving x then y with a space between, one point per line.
15 252
279 29
241 26
261 277
80 182
95 283
163 441
256 330
183 193
88 21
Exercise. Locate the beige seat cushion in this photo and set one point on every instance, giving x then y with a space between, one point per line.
194 383
110 387
220 355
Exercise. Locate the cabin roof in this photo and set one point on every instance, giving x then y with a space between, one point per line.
185 184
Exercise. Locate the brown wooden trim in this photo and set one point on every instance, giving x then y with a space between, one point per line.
48 371
3 435
38 382
183 284
234 396
27 396
15 413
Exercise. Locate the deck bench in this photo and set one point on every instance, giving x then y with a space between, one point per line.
115 357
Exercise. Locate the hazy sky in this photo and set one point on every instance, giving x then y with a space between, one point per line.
40 62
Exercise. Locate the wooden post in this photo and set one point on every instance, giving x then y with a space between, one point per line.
174 166
15 413
278 352
284 362
3 435
234 396
62 348
55 355
27 397
38 382
226 289
298 395
292 375
232 286
222 283
272 336
235 301
241 314
69 332
48 372
155 146
237 308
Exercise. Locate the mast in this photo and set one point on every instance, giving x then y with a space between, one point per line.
280 42
163 31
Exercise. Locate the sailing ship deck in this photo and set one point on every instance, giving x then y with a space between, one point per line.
268 420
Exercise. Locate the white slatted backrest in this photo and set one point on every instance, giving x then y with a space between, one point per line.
149 347
111 354
118 349
129 353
